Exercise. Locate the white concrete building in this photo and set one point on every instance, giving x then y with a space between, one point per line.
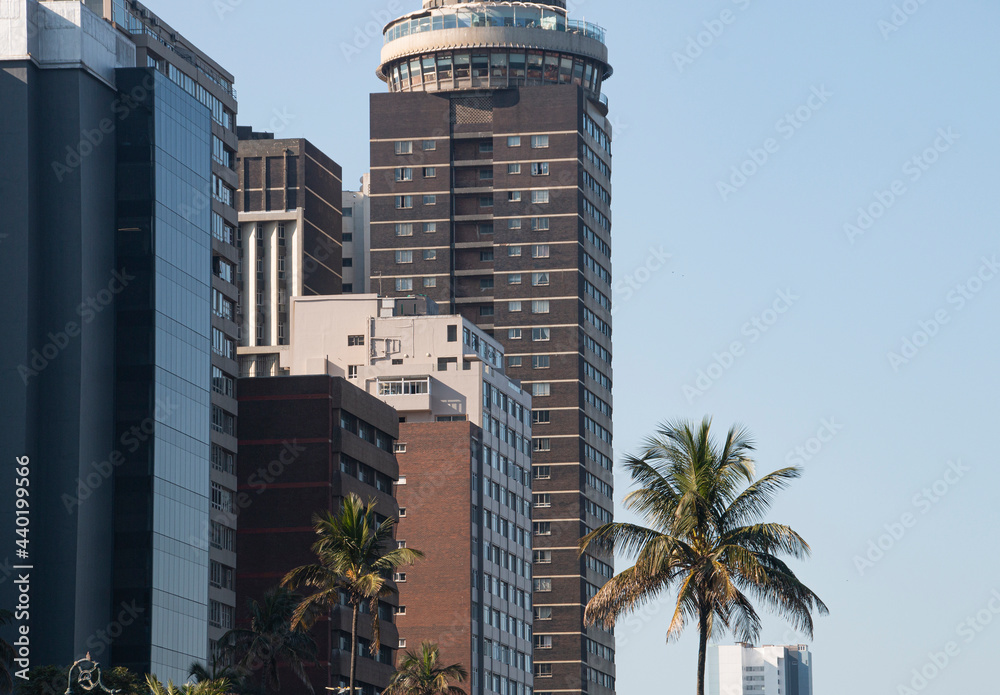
357 239
743 669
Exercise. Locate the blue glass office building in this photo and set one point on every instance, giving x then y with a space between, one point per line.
163 374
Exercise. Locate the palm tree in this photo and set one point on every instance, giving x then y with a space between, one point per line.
269 642
355 557
705 537
6 655
421 673
211 687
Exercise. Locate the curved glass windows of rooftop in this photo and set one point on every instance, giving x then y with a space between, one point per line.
493 69
525 17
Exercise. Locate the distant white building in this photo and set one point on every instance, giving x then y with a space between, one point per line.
357 239
743 669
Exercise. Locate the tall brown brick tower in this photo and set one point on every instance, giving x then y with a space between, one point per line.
490 184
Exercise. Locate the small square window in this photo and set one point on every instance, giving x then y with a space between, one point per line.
514 279
430 254
399 577
404 229
540 169
400 610
404 147
514 306
404 284
486 147
513 362
513 141
539 197
540 251
485 174
430 145
486 256
430 172
541 335
402 512
352 371
430 200
429 227
540 362
430 282
540 306
399 448
513 169
513 196
513 224
539 141
486 311
485 201
514 334
539 279
404 202
513 251
404 174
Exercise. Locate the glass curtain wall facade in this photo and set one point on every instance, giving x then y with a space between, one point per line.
163 401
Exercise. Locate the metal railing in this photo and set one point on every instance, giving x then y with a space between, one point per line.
512 17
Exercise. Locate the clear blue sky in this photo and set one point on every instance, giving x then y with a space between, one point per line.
680 130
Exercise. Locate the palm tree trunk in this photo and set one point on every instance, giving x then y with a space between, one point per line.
354 647
702 648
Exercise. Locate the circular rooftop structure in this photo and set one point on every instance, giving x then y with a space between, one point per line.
452 45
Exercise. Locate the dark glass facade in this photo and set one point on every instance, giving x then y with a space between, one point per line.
163 402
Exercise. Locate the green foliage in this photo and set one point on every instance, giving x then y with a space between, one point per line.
259 651
421 673
355 556
705 538
51 680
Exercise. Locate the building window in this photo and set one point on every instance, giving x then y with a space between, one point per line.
514 306
486 311
543 528
513 196
400 610
540 251
513 169
540 417
404 174
485 201
403 257
352 371
514 279
539 141
540 362
539 197
513 224
220 615
541 335
400 545
542 472
221 306
485 174
222 499
222 460
404 202
540 306
355 340
430 254
404 229
452 333
402 512
486 256
539 279
543 642
513 251
404 147
540 169
486 284
514 334
430 282
543 612
539 224
429 227
542 444
430 172
541 389
222 577
404 284
430 145
513 362
486 147
542 500
399 577
513 141
430 200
